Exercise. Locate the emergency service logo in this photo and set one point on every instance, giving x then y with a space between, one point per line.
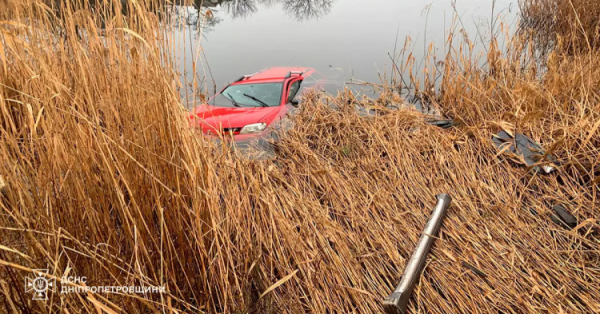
40 284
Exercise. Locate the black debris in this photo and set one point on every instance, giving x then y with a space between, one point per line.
474 269
563 218
444 124
478 272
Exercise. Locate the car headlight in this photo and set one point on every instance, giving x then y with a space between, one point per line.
253 128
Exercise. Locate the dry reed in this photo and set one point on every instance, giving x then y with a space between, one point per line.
106 180
571 25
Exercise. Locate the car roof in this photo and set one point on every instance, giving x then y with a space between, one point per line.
275 74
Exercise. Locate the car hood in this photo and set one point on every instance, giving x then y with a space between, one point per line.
213 118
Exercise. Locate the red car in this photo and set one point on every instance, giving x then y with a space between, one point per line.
247 108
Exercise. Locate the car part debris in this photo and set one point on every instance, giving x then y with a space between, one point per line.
444 124
563 218
525 147
397 302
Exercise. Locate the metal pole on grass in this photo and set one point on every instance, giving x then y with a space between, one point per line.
397 302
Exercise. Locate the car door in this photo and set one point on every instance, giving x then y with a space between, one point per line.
290 90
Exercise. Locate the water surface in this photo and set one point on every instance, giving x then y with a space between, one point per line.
346 40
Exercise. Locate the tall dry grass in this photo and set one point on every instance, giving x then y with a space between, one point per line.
107 181
572 25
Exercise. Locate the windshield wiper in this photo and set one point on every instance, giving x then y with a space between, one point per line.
233 101
262 103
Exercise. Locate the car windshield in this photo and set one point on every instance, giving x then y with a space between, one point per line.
249 95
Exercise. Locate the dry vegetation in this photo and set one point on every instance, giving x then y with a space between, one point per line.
105 180
570 25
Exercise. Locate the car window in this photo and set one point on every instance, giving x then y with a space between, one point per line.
293 90
250 95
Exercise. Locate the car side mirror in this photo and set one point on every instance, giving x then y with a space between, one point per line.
295 102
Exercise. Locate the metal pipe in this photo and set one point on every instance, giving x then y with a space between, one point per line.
397 302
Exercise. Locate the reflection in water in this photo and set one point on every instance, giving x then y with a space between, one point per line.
192 17
298 9
239 8
307 9
220 46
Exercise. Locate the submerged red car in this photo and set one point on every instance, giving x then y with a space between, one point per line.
250 106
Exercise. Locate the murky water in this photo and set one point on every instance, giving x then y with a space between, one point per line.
345 40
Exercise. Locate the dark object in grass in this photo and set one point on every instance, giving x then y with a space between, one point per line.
474 269
563 218
521 145
478 272
444 124
397 302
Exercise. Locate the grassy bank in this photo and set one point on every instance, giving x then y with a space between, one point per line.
106 180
